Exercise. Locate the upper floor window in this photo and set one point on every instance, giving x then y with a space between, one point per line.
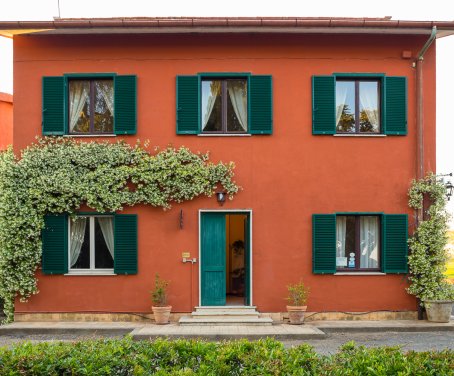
224 106
357 106
91 106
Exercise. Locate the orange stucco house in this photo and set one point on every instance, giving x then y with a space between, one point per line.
327 120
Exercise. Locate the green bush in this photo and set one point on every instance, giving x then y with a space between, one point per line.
190 357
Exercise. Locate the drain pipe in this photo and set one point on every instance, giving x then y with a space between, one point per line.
420 104
420 129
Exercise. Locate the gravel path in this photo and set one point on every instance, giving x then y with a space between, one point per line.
408 341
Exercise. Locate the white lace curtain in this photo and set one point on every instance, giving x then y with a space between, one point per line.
238 97
77 236
369 230
78 94
341 96
107 91
341 231
369 103
107 229
215 91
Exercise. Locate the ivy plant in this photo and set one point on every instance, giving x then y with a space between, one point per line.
428 256
58 175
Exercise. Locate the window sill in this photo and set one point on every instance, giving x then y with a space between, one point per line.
89 135
359 273
224 135
90 272
359 135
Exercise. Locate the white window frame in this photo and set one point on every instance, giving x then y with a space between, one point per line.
92 270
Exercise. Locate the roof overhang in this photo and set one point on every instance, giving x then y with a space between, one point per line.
199 25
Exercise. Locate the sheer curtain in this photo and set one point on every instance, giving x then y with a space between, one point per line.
238 97
78 95
106 225
107 91
341 97
77 235
369 103
369 242
341 232
214 88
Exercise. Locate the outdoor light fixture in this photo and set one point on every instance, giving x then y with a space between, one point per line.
220 197
449 189
448 185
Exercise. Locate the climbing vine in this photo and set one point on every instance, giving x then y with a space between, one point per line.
427 259
58 175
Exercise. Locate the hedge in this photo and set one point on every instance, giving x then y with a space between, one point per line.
191 357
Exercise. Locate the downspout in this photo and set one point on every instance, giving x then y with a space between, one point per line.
420 128
420 104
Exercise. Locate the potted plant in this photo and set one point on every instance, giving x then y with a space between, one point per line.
161 310
428 253
297 297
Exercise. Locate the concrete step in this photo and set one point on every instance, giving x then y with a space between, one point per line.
222 320
221 309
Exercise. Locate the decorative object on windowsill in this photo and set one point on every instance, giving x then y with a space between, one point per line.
161 310
297 296
428 253
220 197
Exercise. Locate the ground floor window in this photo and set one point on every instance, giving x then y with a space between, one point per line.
357 242
91 243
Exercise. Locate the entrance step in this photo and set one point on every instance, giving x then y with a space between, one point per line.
225 315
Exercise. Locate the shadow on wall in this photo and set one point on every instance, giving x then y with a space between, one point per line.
6 120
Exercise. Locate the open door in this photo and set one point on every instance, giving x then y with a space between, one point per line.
247 261
213 268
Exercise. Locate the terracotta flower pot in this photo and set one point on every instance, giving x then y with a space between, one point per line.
296 314
161 314
438 310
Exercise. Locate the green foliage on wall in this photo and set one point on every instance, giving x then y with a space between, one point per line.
428 256
58 175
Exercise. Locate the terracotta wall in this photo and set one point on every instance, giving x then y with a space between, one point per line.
286 177
6 120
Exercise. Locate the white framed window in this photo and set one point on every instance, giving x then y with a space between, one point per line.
91 244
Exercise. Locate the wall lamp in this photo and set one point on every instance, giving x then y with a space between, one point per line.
448 185
449 189
220 197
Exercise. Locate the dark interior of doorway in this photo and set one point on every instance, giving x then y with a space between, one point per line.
235 259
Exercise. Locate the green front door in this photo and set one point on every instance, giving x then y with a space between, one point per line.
213 273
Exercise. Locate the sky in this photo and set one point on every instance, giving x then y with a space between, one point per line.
399 9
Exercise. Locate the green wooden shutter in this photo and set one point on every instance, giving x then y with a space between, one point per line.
323 243
213 273
125 244
260 104
323 105
394 243
188 105
53 106
395 116
55 244
125 107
